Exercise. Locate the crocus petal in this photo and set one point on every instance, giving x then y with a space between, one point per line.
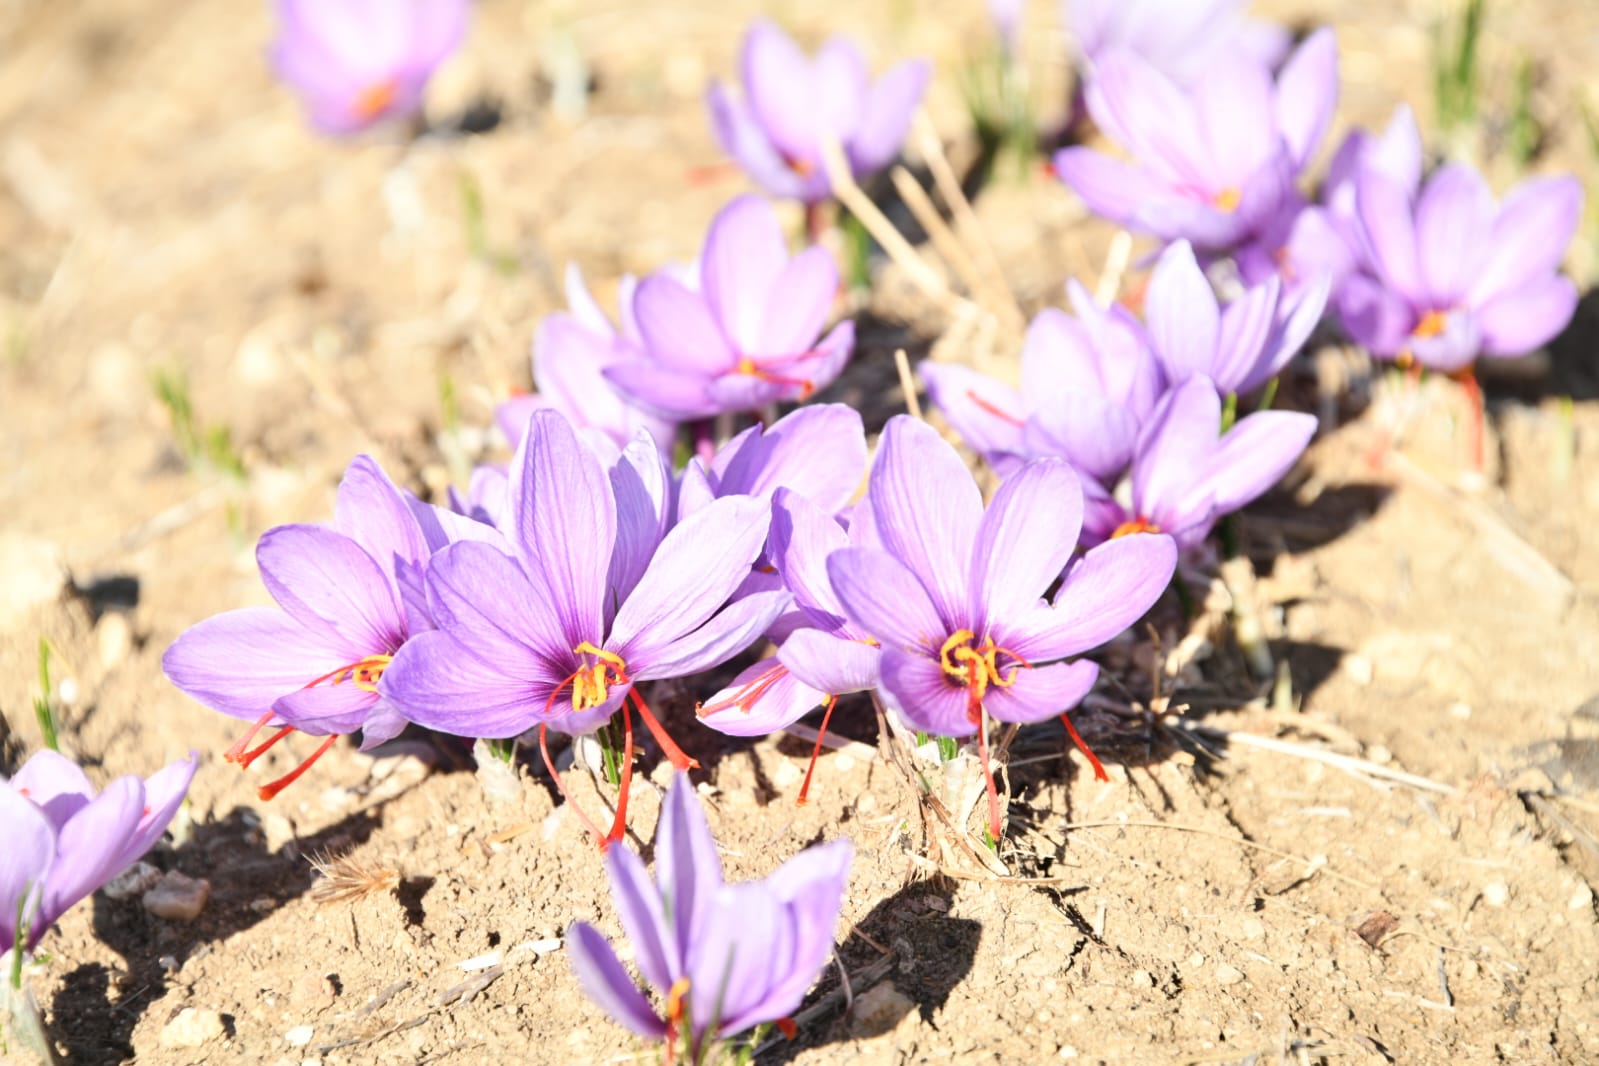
87 852
25 864
1108 186
1184 320
324 580
1234 104
1179 438
988 414
564 519
1297 315
1255 454
1454 348
728 632
641 483
917 687
777 80
830 664
467 687
55 784
371 512
324 709
1024 540
666 391
818 451
687 867
802 537
1387 232
1148 115
886 600
840 82
741 136
772 699
1111 587
679 329
928 509
1454 218
1094 435
1246 327
164 792
887 116
693 573
1374 315
1523 319
732 964
812 884
1040 693
607 983
240 662
744 257
641 906
481 591
1307 93
1530 235
787 315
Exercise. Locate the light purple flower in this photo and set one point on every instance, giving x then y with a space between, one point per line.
1180 38
1214 164
593 600
570 353
775 127
749 336
722 957
1088 383
348 597
1448 275
358 62
955 593
818 451
1187 474
1239 347
63 841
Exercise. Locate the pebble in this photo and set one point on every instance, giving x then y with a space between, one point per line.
136 880
1379 755
1496 893
1460 711
1582 897
191 1028
1143 979
31 574
114 638
878 1010
1228 975
1358 668
299 1036
178 897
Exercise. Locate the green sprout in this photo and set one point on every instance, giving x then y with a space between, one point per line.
43 705
1455 68
201 446
1522 135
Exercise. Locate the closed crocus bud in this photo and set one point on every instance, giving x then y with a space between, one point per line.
358 62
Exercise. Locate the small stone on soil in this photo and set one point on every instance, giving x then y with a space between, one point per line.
878 1010
1228 975
192 1028
178 897
134 881
1496 893
299 1036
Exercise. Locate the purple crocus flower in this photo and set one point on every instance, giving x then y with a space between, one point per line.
1448 275
1187 473
1180 38
63 840
723 957
593 601
749 336
789 102
818 451
1215 164
348 597
955 592
358 62
570 353
1239 347
1088 383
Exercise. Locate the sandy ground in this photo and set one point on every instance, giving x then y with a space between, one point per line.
163 210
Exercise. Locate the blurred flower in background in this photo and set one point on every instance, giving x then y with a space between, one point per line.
790 101
1179 38
359 62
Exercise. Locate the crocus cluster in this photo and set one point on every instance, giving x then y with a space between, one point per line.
63 840
722 957
356 63
1426 271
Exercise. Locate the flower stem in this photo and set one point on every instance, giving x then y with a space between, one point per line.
1229 412
1267 395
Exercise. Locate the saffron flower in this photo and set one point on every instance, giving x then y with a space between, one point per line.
1448 275
749 336
722 957
955 593
1213 165
818 451
1187 473
64 840
348 597
790 102
1088 383
593 601
571 350
1180 38
1239 347
358 62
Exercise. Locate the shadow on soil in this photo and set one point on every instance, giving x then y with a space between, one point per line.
94 1014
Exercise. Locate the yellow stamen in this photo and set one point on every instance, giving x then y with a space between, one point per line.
1228 199
1136 525
976 668
591 684
375 99
674 999
1432 324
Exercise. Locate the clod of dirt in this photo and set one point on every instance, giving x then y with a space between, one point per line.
178 897
879 1010
136 880
192 1028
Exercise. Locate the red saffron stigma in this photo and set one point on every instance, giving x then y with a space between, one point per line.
1004 416
270 790
821 734
1082 746
1473 391
234 753
619 825
786 1026
669 748
746 695
988 780
560 785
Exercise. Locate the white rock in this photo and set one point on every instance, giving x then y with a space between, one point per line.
136 880
31 574
114 638
178 897
192 1028
1496 893
1358 668
1582 897
299 1036
1228 975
